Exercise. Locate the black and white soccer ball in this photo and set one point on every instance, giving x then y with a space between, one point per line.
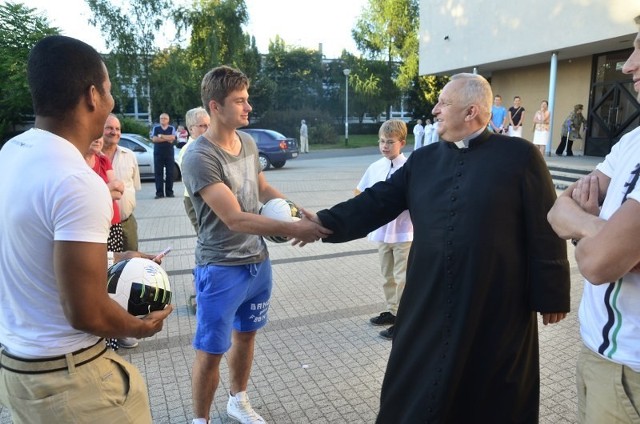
282 210
139 285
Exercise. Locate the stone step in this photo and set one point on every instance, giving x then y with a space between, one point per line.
563 176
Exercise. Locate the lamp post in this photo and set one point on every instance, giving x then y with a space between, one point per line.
346 73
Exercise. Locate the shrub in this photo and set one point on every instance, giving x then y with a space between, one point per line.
287 122
130 125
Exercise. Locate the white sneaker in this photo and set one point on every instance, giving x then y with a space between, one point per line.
240 410
128 343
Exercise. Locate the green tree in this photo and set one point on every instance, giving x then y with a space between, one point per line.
20 29
175 82
370 86
376 88
424 96
388 30
297 75
130 33
216 36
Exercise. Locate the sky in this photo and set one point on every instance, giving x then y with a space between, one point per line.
300 23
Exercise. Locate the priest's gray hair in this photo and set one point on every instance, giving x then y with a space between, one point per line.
476 91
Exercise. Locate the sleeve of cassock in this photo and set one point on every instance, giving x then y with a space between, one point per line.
374 207
549 277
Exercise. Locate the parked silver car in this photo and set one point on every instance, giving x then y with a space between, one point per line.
143 148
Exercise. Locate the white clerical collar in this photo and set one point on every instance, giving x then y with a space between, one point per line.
464 143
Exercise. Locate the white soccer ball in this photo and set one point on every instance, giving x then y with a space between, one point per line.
282 210
139 285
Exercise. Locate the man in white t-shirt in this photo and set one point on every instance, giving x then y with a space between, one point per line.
54 225
601 214
394 239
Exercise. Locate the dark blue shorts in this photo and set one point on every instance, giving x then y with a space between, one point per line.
230 298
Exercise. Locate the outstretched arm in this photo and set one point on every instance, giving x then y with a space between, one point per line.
225 205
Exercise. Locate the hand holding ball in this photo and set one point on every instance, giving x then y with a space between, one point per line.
281 210
139 285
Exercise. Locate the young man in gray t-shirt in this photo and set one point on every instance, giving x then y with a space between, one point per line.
233 273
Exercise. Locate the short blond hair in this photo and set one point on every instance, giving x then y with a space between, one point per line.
393 128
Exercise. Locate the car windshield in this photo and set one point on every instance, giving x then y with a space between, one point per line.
141 139
271 133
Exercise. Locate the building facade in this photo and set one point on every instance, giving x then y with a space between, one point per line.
565 51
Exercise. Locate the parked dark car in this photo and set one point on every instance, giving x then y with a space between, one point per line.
274 148
143 148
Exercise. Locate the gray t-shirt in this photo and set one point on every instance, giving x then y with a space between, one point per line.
205 163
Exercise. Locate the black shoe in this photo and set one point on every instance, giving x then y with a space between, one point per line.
170 195
387 333
569 154
158 196
385 318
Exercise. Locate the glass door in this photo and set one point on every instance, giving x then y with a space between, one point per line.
613 108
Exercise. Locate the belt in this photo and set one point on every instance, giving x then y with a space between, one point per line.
69 361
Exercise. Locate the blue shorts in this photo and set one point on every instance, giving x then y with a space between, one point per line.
228 298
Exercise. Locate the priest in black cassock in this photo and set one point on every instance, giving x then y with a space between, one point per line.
484 262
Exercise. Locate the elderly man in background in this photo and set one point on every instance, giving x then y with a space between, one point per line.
125 165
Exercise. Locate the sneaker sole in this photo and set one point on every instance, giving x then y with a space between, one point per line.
233 417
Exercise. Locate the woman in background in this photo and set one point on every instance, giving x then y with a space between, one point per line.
571 130
541 127
102 166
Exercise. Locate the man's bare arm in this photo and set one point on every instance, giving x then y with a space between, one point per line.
81 273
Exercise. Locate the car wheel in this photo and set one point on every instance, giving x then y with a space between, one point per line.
279 164
176 173
264 162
